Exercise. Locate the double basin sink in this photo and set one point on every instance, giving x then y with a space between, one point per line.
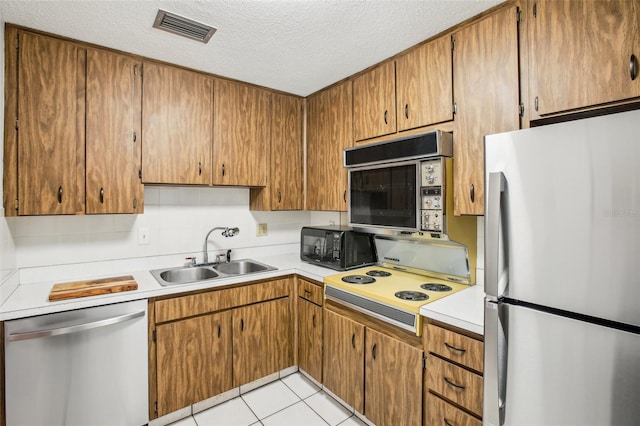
207 272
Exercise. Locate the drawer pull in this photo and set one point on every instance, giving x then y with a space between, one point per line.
453 348
455 385
307 292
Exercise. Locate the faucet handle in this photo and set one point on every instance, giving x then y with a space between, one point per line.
191 261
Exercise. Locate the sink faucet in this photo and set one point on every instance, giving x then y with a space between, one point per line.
227 232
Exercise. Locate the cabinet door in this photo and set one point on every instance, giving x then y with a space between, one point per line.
343 359
329 132
393 378
425 89
485 79
177 113
581 53
310 338
193 360
261 340
51 136
374 102
287 180
241 134
113 125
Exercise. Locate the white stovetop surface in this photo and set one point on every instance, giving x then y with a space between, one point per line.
29 296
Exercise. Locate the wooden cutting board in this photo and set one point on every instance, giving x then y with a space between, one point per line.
92 287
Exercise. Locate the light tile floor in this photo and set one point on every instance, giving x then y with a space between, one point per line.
291 401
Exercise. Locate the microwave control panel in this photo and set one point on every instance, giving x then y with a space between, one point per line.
432 201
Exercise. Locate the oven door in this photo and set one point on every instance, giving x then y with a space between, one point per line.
385 196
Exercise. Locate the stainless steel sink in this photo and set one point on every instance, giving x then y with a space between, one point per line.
241 267
199 273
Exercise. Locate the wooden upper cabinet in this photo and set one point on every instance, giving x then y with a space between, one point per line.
424 86
113 127
177 113
51 134
285 185
374 102
485 60
241 134
329 132
582 53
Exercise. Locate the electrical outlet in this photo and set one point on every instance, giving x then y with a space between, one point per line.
143 236
261 230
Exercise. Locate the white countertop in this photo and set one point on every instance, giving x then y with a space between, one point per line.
30 299
464 309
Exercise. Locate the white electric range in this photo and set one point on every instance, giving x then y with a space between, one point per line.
411 272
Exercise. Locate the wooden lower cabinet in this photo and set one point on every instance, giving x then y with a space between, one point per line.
261 344
205 343
310 326
194 360
378 375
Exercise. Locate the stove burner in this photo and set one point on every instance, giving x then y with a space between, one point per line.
358 279
435 287
378 273
411 295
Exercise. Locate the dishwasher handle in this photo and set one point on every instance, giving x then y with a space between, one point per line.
14 337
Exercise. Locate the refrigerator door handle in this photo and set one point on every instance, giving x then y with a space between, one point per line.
493 272
496 350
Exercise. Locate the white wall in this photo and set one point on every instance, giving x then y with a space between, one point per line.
177 220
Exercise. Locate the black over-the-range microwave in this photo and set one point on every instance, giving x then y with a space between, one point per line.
400 184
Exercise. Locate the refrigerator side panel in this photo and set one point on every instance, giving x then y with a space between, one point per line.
571 213
568 372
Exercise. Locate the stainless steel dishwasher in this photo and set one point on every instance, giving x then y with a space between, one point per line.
82 367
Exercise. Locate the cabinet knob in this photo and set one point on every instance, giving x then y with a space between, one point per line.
222 169
406 111
386 113
199 169
60 195
313 320
344 196
219 331
353 340
633 67
373 350
472 193
101 195
241 324
279 197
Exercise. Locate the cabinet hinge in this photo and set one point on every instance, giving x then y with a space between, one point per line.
518 15
137 70
155 407
17 124
537 103
453 43
17 204
424 362
17 41
153 337
535 10
455 108
521 110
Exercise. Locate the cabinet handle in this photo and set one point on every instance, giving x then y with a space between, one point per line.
222 169
307 292
633 67
279 197
101 195
386 113
199 168
455 385
406 111
344 196
219 331
472 193
59 195
453 348
313 320
353 340
241 324
373 350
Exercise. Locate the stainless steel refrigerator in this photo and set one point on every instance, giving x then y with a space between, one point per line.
562 274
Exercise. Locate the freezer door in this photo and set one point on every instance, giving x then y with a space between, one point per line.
558 371
570 212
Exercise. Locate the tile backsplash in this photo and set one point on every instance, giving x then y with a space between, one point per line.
176 220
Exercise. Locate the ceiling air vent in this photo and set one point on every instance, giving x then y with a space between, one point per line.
182 26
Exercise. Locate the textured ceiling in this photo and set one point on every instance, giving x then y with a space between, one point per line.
297 46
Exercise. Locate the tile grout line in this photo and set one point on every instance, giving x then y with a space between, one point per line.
319 415
284 408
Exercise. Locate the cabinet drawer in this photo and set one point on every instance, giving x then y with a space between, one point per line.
455 383
456 347
439 412
310 292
